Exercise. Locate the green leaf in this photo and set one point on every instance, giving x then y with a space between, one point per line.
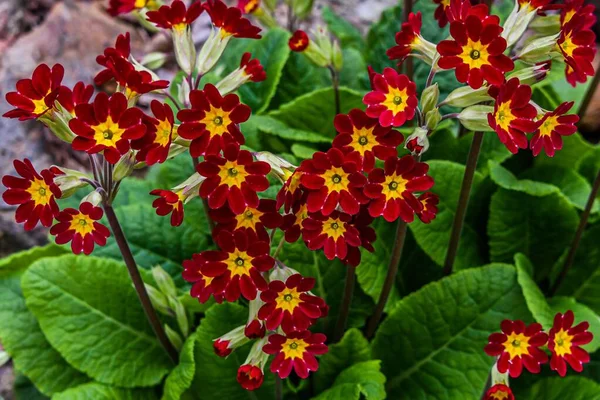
90 313
20 332
505 179
315 111
571 387
180 379
539 227
352 349
348 35
536 301
582 313
363 379
272 126
24 389
216 377
99 391
433 238
431 335
172 172
574 150
300 76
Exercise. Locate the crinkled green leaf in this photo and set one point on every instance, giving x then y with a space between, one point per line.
505 179
431 336
574 150
271 126
20 332
180 379
90 313
348 34
409 278
99 391
171 173
352 349
364 376
536 301
557 388
433 238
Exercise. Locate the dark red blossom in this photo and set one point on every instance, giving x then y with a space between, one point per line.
476 52
213 121
35 194
81 228
551 128
106 125
230 20
122 50
429 210
252 68
459 10
393 99
565 341
499 392
201 284
160 131
175 16
408 36
81 94
35 96
234 178
290 305
296 351
117 7
513 114
335 234
291 192
440 12
363 139
169 202
332 180
392 188
292 222
250 377
517 346
255 329
257 219
299 41
577 7
578 48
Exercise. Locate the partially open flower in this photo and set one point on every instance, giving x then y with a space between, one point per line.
291 192
81 228
409 39
254 329
35 194
335 234
292 222
499 392
250 377
122 50
226 344
393 99
363 139
167 203
175 16
513 114
565 341
234 178
106 125
35 97
295 351
230 21
440 12
160 131
69 99
249 70
418 142
578 48
551 128
213 121
201 284
392 188
299 41
430 209
117 7
517 346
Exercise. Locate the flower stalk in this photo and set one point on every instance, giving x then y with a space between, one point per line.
588 96
335 82
342 320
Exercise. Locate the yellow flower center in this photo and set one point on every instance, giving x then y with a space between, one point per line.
107 133
248 218
82 224
394 186
568 16
294 348
516 345
475 54
40 106
445 3
180 27
232 174
216 121
40 192
294 182
396 100
548 126
500 395
336 179
163 133
334 228
363 140
504 115
288 299
562 343
302 214
239 263
568 46
140 3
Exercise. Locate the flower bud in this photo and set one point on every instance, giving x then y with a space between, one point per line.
474 118
154 60
432 119
69 180
250 375
279 167
281 272
180 315
211 51
95 198
249 70
429 98
418 142
302 8
57 120
124 167
547 25
531 75
174 337
255 328
539 49
185 51
466 96
226 344
190 187
337 57
164 281
158 300
498 377
517 22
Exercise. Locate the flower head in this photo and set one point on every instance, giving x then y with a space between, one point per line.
230 21
292 222
578 7
160 131
213 121
248 6
578 48
169 202
363 139
69 99
226 344
513 114
459 10
255 329
429 210
117 7
440 12
408 39
234 178
35 194
290 305
565 341
34 97
81 228
518 345
237 268
299 41
335 234
362 222
252 68
296 351
175 16
250 377
551 128
476 52
258 219
332 180
392 188
122 50
393 99
106 125
499 392
201 284
291 191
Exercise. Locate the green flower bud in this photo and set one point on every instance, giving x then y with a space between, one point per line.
124 167
466 96
211 51
159 300
154 60
548 25
93 197
429 98
539 49
516 23
180 315
433 118
164 281
337 56
279 167
474 118
174 337
4 358
185 51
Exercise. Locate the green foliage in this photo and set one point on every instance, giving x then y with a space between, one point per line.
430 338
362 380
572 388
180 378
96 324
99 391
347 34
